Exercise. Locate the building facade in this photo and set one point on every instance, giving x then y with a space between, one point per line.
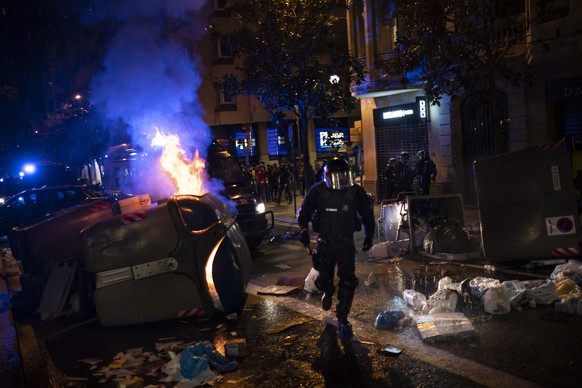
239 120
396 118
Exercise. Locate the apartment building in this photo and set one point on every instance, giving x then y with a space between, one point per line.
396 118
239 120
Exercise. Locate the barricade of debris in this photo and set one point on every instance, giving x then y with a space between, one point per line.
440 316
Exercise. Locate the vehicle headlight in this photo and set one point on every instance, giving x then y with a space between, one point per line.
259 207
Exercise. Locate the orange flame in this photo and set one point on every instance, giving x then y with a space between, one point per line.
187 176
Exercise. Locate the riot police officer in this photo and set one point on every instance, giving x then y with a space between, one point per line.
426 171
403 173
334 207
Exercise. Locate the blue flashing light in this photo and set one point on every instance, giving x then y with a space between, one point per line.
29 168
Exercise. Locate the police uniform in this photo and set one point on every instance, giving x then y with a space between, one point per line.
335 215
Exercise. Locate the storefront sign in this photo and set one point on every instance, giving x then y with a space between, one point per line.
394 115
564 89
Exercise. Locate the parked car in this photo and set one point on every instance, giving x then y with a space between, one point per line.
30 205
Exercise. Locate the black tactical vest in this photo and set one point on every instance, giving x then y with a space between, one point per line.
336 215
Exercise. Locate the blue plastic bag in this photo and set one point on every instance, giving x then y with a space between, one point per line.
388 319
197 358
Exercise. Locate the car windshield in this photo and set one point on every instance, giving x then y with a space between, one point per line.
228 170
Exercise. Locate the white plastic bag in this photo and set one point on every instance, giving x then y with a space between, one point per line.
570 270
446 283
381 250
414 298
543 292
496 300
310 282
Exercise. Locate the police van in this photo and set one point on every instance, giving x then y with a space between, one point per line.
251 214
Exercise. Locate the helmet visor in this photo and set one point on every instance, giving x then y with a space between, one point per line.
338 180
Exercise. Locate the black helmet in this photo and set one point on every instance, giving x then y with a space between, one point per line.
337 174
404 157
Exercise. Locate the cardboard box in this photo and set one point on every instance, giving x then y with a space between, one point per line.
235 348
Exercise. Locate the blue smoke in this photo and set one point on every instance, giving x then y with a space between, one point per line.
149 79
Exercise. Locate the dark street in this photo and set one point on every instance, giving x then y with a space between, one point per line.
291 342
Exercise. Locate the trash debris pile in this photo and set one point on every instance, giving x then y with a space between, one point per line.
190 365
284 237
441 314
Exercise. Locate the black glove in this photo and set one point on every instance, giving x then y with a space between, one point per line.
367 243
304 237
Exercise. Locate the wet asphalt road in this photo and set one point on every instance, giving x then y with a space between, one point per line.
522 348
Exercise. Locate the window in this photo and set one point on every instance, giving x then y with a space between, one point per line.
548 10
223 49
227 97
220 4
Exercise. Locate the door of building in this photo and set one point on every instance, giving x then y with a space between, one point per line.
392 140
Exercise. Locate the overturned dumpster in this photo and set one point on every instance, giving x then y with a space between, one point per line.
53 283
528 203
181 257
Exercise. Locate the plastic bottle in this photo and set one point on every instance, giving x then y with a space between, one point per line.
414 298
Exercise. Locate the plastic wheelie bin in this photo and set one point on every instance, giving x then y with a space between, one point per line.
181 257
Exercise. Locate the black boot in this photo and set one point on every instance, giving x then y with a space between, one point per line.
326 300
345 298
344 330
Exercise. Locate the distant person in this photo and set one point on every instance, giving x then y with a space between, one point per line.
426 171
390 178
404 175
284 185
319 172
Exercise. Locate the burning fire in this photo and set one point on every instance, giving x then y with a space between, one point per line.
187 176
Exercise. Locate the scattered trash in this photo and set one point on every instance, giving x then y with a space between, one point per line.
571 304
571 270
238 381
496 300
389 319
382 250
414 298
309 283
444 300
296 281
370 280
284 237
235 348
390 350
447 283
278 290
202 356
543 291
134 382
284 326
489 268
282 266
517 294
479 285
288 340
443 326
